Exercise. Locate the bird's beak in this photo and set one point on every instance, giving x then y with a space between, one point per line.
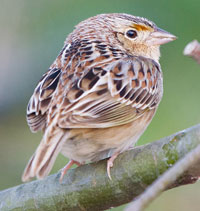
160 37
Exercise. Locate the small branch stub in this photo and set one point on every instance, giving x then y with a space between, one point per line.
192 49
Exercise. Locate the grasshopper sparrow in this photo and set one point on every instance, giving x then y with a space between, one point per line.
99 95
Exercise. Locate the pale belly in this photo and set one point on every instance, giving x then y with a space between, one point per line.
95 144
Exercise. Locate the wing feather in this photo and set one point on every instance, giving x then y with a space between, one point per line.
97 93
130 88
41 99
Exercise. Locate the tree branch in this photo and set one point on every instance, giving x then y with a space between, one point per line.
165 180
88 187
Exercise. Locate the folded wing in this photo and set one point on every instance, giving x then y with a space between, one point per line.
113 95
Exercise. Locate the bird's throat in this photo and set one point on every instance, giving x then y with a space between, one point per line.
152 52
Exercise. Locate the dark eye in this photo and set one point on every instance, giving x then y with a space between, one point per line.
131 33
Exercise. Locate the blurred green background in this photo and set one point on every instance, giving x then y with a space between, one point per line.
32 33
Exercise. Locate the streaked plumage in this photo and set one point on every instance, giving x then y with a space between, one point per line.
99 95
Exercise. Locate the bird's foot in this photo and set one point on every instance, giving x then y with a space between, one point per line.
110 163
67 167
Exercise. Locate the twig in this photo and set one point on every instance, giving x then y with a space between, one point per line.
165 180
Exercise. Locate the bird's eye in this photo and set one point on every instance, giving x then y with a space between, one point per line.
131 33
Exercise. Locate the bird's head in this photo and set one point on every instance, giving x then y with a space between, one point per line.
140 36
137 35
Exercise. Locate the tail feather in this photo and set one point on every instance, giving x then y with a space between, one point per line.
43 159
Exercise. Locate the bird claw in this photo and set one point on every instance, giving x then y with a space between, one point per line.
110 163
64 171
66 168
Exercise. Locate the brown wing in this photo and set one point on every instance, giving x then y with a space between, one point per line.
41 99
137 83
116 94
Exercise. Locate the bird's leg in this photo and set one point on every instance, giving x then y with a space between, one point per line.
110 163
67 167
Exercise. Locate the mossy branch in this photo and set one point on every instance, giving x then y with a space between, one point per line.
89 188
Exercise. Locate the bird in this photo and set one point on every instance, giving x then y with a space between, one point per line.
100 93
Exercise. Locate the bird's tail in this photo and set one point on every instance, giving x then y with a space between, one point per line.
44 157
